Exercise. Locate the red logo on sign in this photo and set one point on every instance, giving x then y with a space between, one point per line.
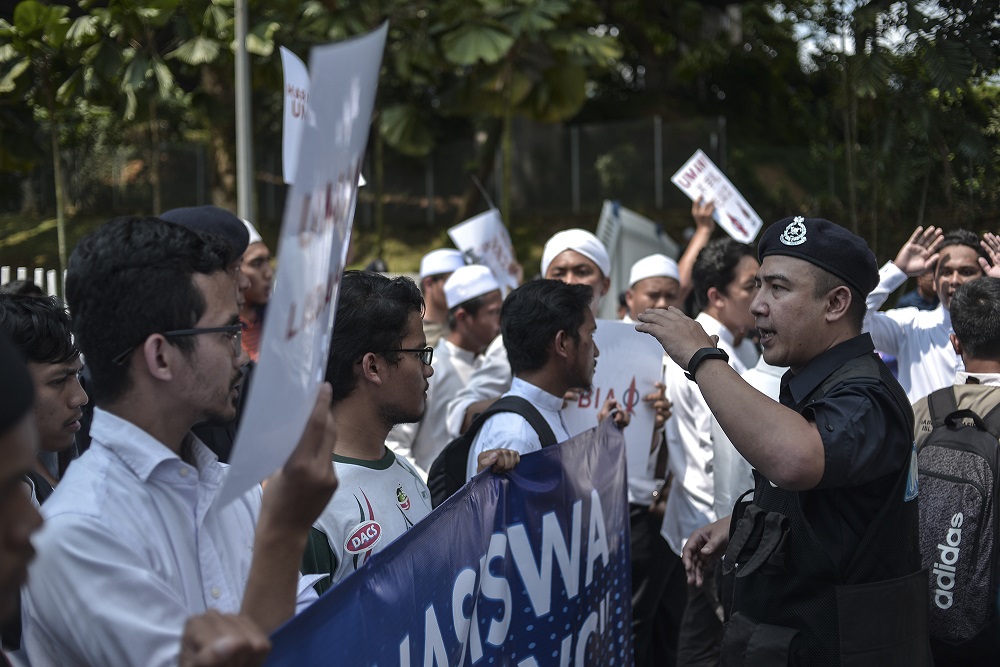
364 537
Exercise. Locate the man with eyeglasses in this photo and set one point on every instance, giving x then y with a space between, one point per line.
474 301
134 542
379 367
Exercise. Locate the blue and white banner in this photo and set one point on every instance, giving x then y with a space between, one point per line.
528 569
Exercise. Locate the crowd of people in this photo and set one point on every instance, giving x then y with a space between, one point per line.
777 520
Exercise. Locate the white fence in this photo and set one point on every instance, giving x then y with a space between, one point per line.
46 279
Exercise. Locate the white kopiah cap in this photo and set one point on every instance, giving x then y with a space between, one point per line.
254 234
467 283
440 261
654 266
580 241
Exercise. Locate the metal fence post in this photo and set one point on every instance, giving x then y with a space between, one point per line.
574 165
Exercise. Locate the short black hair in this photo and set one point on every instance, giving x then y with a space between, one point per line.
534 313
975 317
21 287
715 267
39 326
130 278
372 312
471 306
826 281
962 237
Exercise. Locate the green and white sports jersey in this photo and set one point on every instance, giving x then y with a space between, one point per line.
375 502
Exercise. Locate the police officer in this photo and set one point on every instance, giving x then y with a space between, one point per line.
824 562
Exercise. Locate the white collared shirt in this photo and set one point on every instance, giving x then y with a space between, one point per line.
421 442
491 379
919 339
132 546
689 441
508 430
731 473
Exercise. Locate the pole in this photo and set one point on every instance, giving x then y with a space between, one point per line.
244 143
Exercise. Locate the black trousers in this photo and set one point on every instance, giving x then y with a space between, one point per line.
659 591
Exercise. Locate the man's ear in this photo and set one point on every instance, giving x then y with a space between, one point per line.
159 357
838 301
715 297
560 344
372 368
605 286
955 343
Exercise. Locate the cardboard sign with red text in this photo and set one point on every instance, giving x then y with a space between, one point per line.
628 367
701 179
315 232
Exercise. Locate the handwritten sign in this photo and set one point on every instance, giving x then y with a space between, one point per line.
628 367
700 178
314 236
485 240
296 115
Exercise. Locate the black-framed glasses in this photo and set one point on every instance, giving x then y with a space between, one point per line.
235 336
425 354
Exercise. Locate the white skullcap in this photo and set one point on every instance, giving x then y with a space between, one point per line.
467 283
255 236
654 266
580 241
444 260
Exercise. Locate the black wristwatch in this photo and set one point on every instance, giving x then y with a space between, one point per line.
700 356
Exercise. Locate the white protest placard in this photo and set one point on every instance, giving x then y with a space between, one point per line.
700 178
628 368
315 232
296 115
485 240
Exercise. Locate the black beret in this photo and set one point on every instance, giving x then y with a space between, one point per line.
824 244
213 220
16 390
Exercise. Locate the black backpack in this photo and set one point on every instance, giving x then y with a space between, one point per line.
959 517
447 473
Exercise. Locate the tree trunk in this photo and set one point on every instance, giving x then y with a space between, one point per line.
57 173
484 168
221 123
154 157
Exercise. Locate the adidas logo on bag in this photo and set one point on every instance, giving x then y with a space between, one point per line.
944 569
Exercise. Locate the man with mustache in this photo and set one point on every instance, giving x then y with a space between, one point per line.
823 566
40 329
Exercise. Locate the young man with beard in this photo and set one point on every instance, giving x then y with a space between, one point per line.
823 567
548 332
256 266
379 367
474 301
134 542
919 339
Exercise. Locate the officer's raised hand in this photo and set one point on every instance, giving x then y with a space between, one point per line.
679 335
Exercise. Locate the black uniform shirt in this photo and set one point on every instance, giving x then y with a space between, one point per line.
867 440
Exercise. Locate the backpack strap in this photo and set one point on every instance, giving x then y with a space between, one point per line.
992 421
524 408
941 403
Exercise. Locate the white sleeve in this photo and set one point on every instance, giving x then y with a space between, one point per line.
92 600
733 474
886 332
490 380
505 430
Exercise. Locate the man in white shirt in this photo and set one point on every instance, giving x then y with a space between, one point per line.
548 331
133 542
919 339
474 301
435 267
573 256
723 278
657 573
